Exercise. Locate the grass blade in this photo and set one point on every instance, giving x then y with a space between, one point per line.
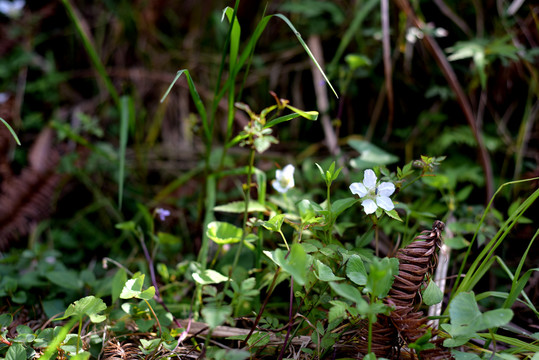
126 116
11 131
196 99
83 32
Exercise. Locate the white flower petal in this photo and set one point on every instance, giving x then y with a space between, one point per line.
386 189
369 179
369 206
277 186
385 203
288 170
358 189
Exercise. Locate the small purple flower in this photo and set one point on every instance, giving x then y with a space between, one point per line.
162 213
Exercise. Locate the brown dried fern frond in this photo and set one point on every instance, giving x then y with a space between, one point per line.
27 198
406 324
115 350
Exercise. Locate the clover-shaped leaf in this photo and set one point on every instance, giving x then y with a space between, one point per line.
133 289
88 306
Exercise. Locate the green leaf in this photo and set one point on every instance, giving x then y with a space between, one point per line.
393 214
370 155
11 131
495 318
337 207
118 282
464 312
456 242
381 275
67 279
224 233
355 61
337 311
209 276
147 294
214 316
325 273
88 306
275 223
127 226
309 115
432 294
347 291
133 289
239 207
295 264
355 270
460 355
5 320
16 352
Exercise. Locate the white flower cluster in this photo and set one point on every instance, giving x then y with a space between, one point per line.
413 33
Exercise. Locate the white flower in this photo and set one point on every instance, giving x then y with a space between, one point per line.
162 213
11 9
373 194
284 179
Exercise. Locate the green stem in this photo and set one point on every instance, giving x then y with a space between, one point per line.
155 316
285 242
78 337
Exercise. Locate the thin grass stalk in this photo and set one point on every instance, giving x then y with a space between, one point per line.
352 31
84 33
474 265
127 114
11 131
481 265
384 11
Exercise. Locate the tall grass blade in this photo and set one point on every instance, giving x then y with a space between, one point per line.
55 343
483 260
126 116
90 49
298 35
196 99
11 131
352 31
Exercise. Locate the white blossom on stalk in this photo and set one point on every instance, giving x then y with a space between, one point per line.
372 193
284 179
11 9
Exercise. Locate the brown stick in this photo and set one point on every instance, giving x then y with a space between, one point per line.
462 100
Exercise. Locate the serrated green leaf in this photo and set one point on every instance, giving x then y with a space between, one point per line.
88 306
295 264
393 214
381 276
355 270
16 352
